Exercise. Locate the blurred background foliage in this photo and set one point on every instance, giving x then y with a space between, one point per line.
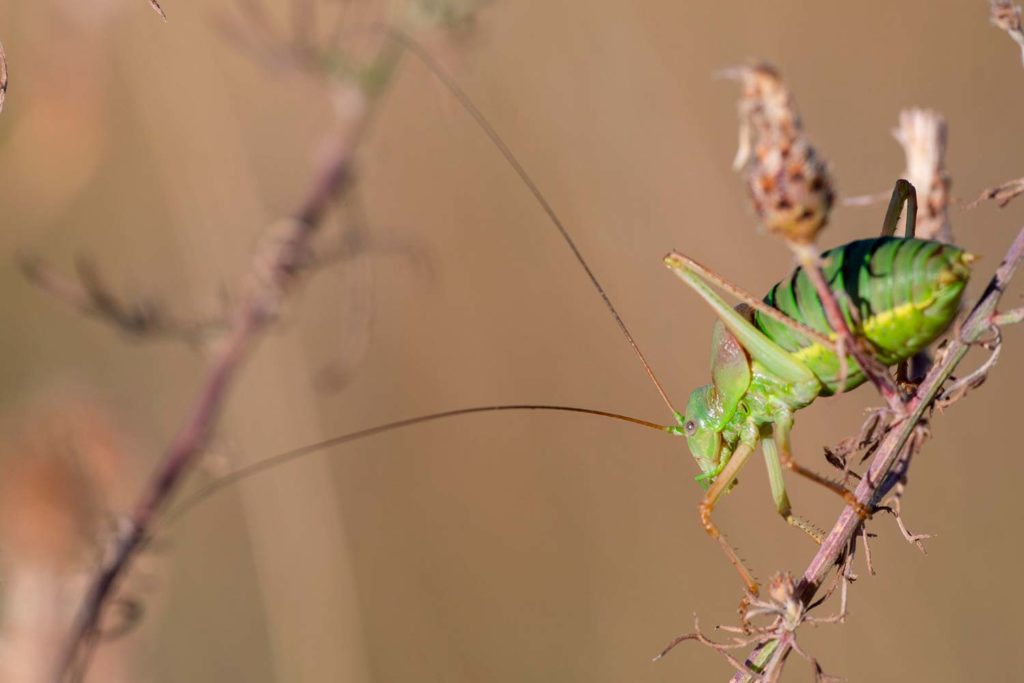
504 547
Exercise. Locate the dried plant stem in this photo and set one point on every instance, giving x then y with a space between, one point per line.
274 271
872 488
3 76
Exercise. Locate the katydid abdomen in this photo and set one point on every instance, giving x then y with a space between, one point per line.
905 293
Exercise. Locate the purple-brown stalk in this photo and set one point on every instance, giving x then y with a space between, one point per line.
273 273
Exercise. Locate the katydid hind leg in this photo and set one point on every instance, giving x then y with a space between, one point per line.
781 429
779 495
762 349
707 505
902 192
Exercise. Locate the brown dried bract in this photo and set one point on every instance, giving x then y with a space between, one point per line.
790 185
1006 16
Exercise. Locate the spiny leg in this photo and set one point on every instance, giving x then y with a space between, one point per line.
707 505
758 345
771 459
782 427
904 192
696 275
763 349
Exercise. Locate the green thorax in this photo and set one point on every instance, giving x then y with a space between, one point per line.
905 292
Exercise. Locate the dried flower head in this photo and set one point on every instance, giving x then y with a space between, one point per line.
922 133
1006 15
789 184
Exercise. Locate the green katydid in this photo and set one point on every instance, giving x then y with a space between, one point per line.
899 294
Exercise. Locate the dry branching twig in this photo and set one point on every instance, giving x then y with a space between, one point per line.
786 613
90 295
1001 194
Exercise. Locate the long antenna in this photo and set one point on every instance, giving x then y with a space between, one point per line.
446 79
295 453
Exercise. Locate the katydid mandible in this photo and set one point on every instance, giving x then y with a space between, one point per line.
899 294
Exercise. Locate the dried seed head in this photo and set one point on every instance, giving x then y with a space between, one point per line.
1005 15
781 588
922 133
790 185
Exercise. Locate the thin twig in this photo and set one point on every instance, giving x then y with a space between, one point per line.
158 9
1001 194
90 295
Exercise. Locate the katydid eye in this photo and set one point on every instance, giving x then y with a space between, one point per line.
690 427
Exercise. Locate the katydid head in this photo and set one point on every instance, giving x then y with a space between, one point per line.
703 427
712 406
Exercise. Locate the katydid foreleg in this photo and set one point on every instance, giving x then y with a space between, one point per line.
723 482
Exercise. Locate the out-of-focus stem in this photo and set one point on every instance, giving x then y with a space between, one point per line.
274 271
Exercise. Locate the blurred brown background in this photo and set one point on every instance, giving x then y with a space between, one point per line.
512 547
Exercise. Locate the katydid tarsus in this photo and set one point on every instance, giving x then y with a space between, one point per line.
725 421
